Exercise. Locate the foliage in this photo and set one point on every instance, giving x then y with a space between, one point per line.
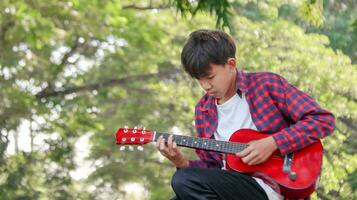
78 68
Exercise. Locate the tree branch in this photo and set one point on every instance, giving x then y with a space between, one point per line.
348 122
73 50
149 7
103 84
348 96
4 28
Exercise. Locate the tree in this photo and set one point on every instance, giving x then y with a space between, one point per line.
79 68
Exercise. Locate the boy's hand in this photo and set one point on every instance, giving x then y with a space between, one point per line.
258 151
171 152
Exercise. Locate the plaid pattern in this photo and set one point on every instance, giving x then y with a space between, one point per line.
276 107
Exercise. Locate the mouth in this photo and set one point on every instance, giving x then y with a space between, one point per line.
211 93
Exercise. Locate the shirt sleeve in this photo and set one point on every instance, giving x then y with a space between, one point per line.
310 121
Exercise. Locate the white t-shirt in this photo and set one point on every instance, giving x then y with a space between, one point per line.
234 114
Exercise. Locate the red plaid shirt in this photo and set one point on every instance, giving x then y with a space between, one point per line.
276 107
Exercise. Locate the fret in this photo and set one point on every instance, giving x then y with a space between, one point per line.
229 147
204 142
217 145
237 148
212 144
181 142
232 148
200 143
225 146
178 139
222 145
196 142
209 142
184 142
175 138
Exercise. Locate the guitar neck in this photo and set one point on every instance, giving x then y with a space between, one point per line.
204 143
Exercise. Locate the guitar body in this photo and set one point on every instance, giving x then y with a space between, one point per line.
306 163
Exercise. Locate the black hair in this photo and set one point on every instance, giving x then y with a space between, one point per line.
205 47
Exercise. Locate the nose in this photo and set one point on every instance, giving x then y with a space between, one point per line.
205 85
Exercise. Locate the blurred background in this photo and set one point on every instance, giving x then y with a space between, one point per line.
73 72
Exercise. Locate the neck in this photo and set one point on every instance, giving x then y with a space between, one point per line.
231 91
204 143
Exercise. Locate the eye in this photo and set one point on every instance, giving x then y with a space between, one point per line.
210 77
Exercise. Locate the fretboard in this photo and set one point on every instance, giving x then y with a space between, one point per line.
204 143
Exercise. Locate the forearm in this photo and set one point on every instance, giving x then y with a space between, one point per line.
305 132
310 121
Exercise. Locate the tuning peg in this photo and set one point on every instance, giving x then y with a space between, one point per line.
131 148
135 129
122 148
125 129
143 131
140 148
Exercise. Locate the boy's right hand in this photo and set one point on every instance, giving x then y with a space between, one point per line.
171 152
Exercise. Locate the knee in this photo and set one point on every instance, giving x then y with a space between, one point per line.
180 178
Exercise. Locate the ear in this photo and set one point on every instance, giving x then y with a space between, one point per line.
232 63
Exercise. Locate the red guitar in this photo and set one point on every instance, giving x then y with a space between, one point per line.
296 173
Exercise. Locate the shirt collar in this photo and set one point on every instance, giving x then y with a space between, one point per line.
241 82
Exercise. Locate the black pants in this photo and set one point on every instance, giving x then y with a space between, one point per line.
203 184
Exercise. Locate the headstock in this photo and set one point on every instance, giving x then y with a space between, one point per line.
133 136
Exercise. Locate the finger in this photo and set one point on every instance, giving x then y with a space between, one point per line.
261 159
169 142
162 144
174 146
244 153
157 145
248 158
254 161
169 146
159 141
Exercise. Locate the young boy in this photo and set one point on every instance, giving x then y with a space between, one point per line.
235 100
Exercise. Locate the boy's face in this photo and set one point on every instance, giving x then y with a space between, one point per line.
220 81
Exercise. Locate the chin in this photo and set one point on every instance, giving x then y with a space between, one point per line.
215 96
